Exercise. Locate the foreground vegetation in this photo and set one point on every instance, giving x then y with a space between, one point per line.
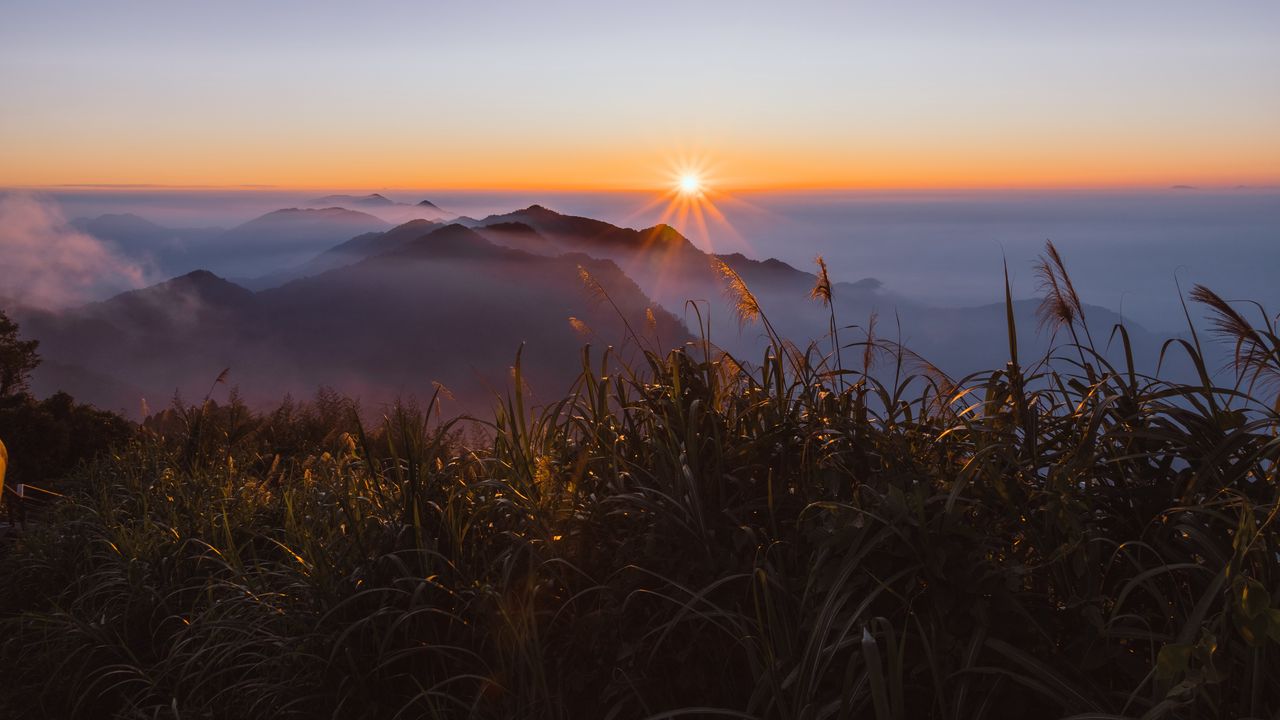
698 538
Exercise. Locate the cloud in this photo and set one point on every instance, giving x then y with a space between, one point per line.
44 262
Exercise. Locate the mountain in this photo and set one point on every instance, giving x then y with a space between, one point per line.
511 234
682 278
130 231
164 250
387 312
386 208
588 234
678 276
457 307
176 335
371 200
674 272
443 306
346 253
288 237
517 235
279 239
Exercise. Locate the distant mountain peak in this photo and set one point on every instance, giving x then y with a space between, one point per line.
457 229
327 213
429 204
414 223
664 233
201 281
202 276
453 240
197 284
370 200
514 226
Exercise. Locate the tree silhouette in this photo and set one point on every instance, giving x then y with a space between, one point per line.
17 358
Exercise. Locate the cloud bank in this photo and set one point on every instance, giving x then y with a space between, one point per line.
46 263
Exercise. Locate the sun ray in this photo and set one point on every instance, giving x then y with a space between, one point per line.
689 204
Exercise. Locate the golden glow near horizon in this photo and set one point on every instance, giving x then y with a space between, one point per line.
821 95
858 162
689 203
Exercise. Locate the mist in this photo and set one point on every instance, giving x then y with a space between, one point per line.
303 296
1124 247
46 263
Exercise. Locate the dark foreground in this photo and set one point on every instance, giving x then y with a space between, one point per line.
695 539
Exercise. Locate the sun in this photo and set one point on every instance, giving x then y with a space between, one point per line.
688 195
689 184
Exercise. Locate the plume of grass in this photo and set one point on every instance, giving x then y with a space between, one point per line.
822 292
1255 351
691 538
579 327
597 291
745 305
822 285
1061 306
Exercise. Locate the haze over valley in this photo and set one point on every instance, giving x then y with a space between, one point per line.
298 297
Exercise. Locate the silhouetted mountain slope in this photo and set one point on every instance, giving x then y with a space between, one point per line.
302 227
587 234
445 306
388 312
347 253
278 239
131 232
163 250
370 244
517 235
385 208
453 307
172 336
672 271
288 237
371 200
169 305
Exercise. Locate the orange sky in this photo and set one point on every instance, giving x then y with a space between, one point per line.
1088 163
574 96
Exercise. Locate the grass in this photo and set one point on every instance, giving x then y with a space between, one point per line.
701 537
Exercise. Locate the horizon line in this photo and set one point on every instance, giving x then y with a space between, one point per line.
749 189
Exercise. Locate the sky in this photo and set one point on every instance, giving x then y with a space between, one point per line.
590 95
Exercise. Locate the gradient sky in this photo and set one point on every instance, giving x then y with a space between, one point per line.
595 95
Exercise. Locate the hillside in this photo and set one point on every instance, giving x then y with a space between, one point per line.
271 242
386 312
286 237
445 306
164 250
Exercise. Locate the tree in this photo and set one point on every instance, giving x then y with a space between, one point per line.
17 358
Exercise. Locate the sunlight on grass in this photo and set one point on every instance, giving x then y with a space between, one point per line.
701 536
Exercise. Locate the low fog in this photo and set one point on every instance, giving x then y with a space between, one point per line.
47 263
385 295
